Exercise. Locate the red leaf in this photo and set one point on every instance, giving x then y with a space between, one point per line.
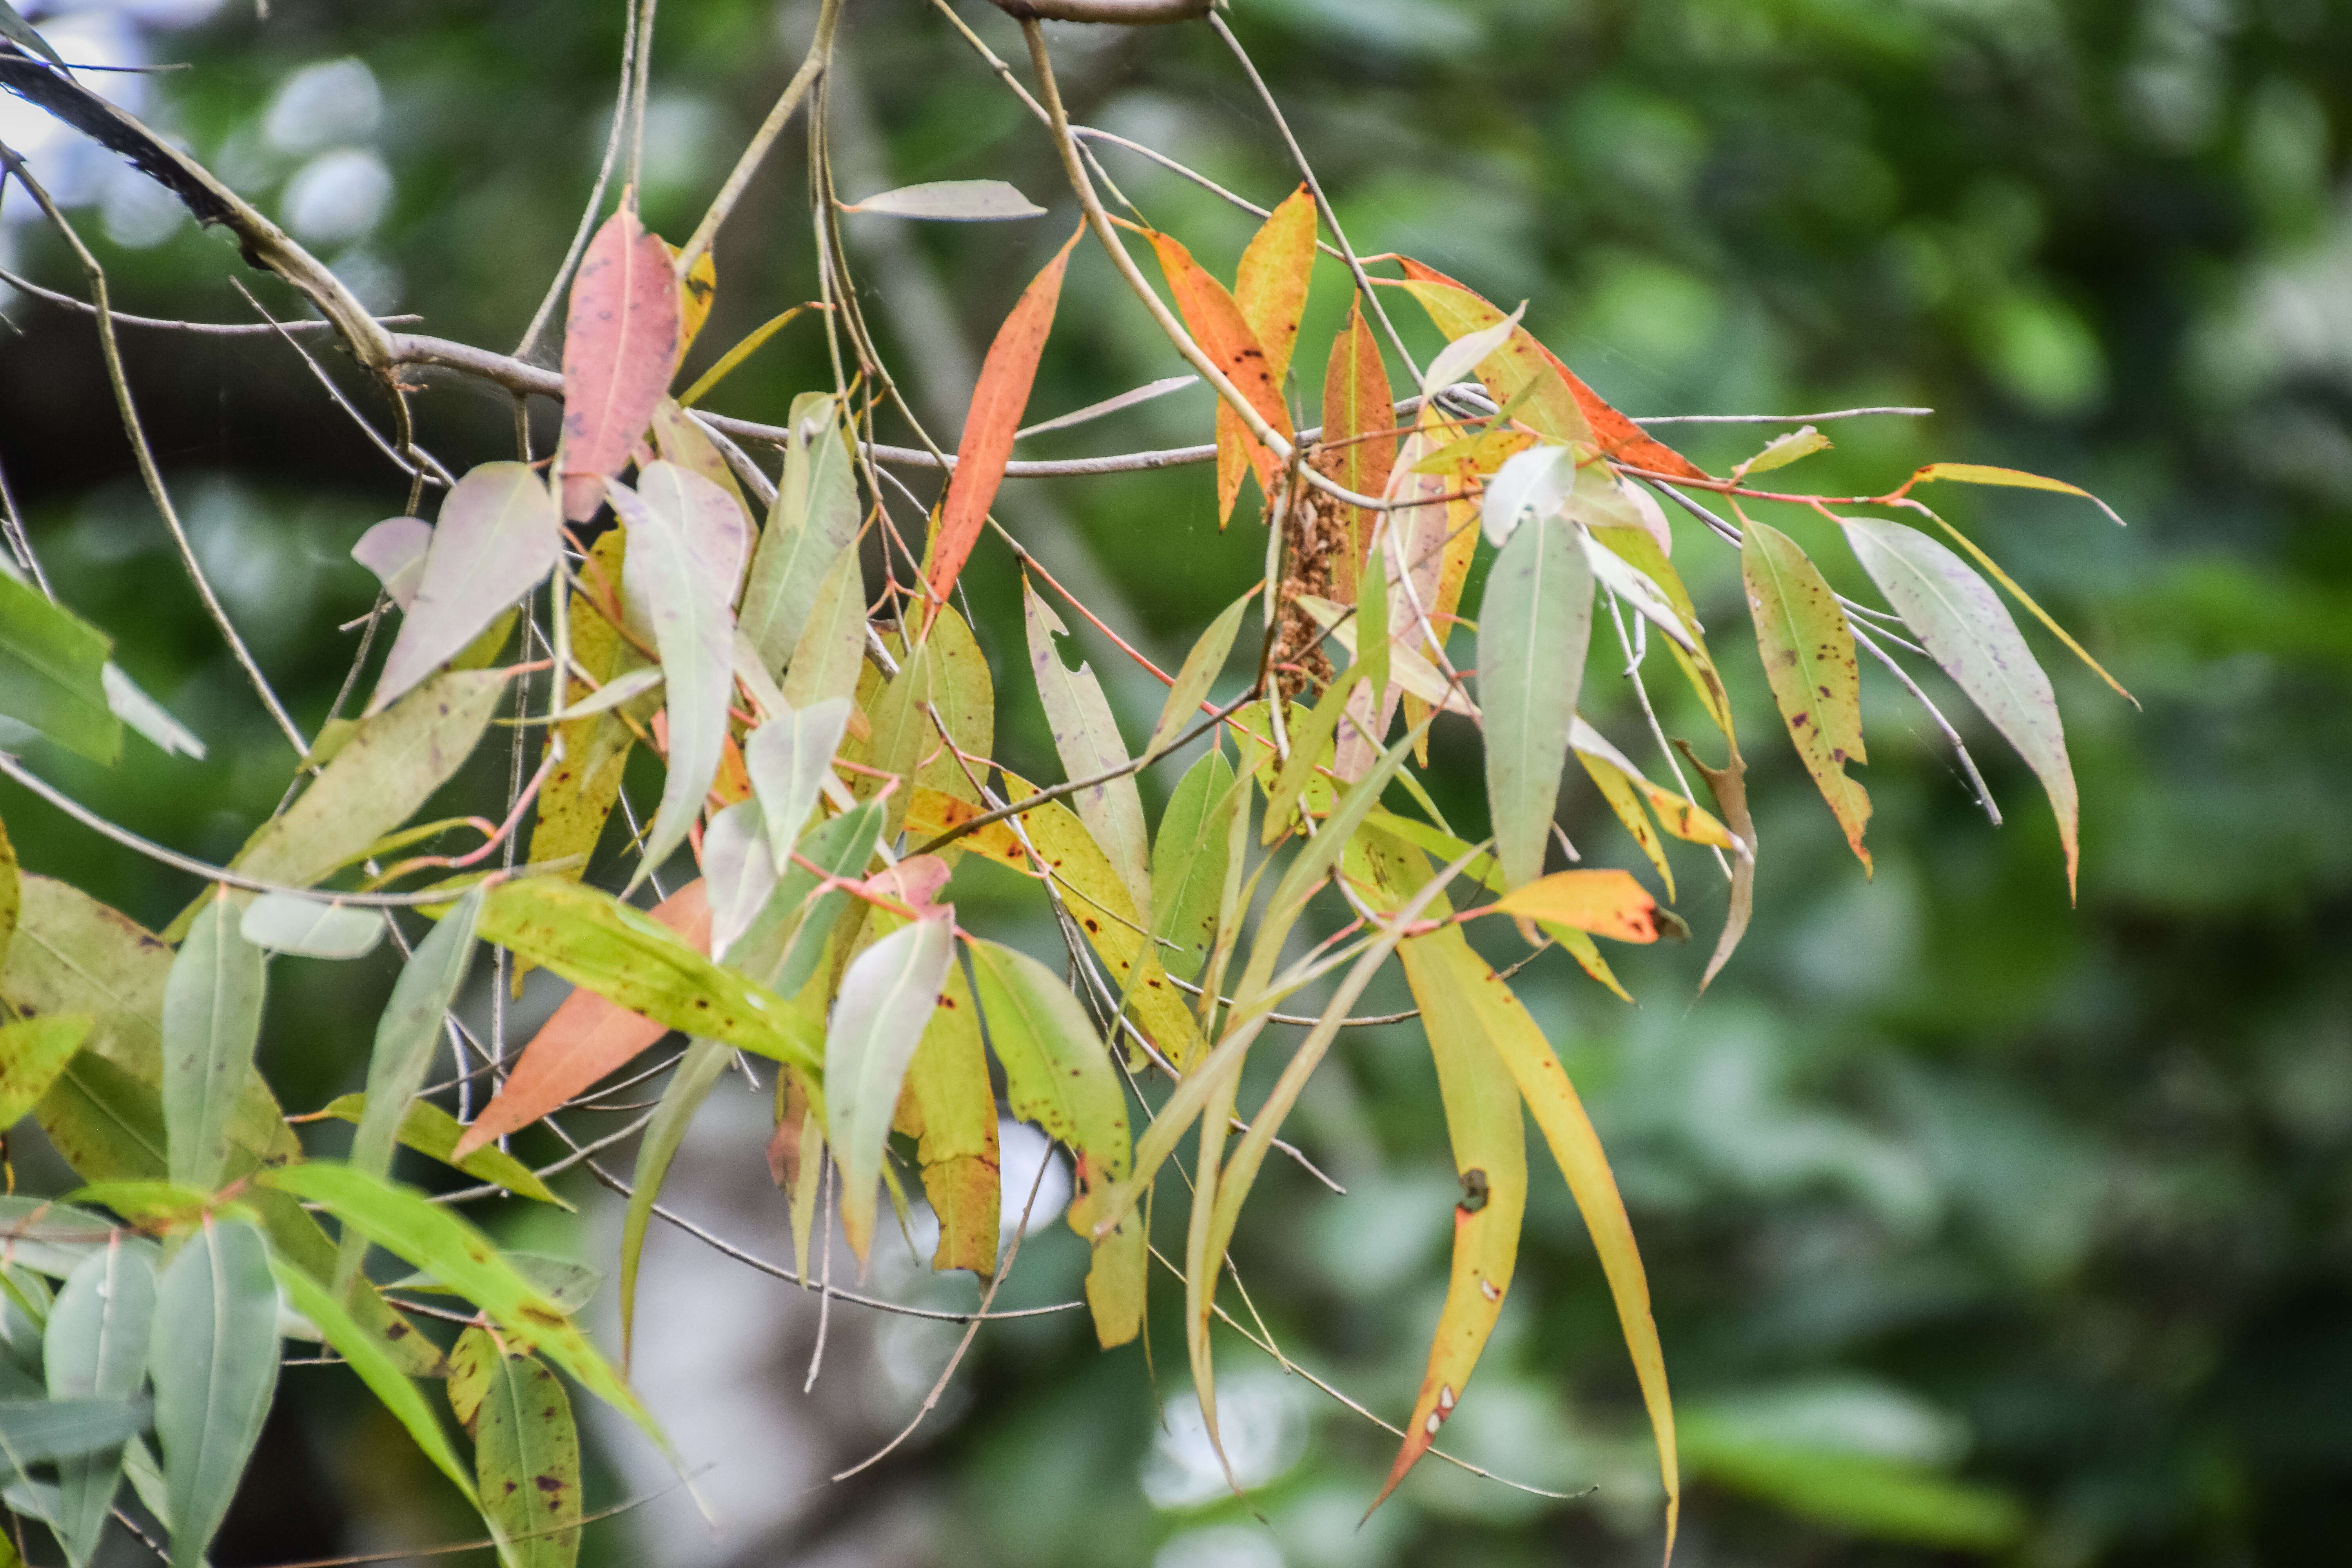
586 1038
620 349
1359 448
996 405
1270 290
1224 334
1616 436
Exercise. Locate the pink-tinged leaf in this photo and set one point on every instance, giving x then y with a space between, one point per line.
2010 479
1225 335
996 406
395 551
498 539
738 873
1358 444
915 881
1809 658
620 349
686 547
1271 291
586 1038
1584 415
1959 619
1606 903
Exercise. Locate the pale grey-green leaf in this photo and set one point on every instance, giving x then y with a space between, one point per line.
215 1365
212 1022
1534 628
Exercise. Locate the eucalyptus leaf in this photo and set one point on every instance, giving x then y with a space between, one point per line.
215 1364
311 927
887 994
212 1023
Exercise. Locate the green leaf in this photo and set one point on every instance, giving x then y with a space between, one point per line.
1058 1075
212 1022
687 539
1188 864
1199 670
578 796
1808 652
623 955
832 645
1862 1494
810 529
108 1124
498 539
527 1459
408 1032
1963 624
401 1221
51 673
1310 746
32 1052
789 758
433 1133
12 894
471 1362
785 940
2013 478
949 1106
1782 450
144 714
1087 739
1533 629
887 995
311 927
16 27
95 1347
33 1431
951 201
388 768
215 1364
688 1087
49 1237
366 1356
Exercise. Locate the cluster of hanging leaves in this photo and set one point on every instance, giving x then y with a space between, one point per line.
827 764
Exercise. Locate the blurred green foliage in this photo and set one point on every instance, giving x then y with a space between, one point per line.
1974 1221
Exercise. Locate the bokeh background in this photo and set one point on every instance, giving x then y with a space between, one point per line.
1979 1226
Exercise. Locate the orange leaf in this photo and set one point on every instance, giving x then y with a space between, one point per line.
996 405
1358 450
1271 291
1606 903
586 1038
1457 310
620 349
1224 334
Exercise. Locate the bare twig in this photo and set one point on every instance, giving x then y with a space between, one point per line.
811 66
539 317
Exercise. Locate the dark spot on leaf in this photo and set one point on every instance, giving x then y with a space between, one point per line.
549 1483
1474 1190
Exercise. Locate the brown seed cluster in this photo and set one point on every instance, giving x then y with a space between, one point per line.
1312 540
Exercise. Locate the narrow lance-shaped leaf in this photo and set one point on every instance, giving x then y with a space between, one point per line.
949 1106
832 645
402 1222
887 994
2012 479
433 1133
1963 624
215 1364
1533 630
698 1071
499 538
1224 334
1606 902
364 1353
950 201
789 758
406 1036
1199 672
813 521
586 1037
212 1022
996 405
1358 444
1808 652
527 1461
1188 865
95 1346
1058 1076
1086 738
680 574
738 872
144 713
1483 1123
52 666
311 927
12 893
1504 1023
620 347
579 794
1270 291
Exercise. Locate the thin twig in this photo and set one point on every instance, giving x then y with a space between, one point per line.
811 66
541 317
201 329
